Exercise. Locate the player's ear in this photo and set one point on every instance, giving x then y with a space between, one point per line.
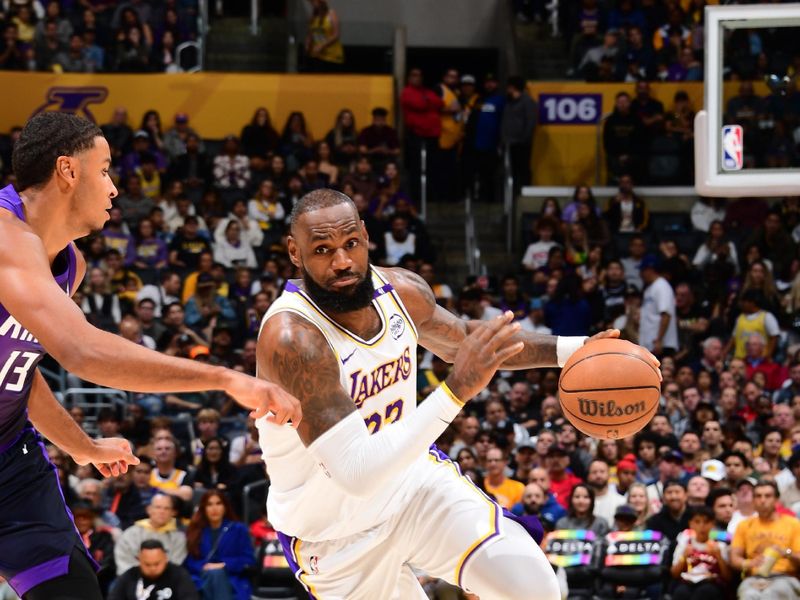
65 170
291 246
364 230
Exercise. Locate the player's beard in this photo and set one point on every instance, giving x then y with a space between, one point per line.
355 298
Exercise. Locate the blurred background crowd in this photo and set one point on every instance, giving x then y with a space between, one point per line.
194 254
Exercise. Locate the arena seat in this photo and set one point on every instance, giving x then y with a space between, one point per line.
578 552
273 578
632 565
664 165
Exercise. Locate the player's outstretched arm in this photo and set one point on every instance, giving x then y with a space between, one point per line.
111 456
30 294
441 332
295 354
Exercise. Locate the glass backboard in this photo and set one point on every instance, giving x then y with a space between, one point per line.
747 138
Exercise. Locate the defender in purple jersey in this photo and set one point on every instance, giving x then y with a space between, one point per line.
63 192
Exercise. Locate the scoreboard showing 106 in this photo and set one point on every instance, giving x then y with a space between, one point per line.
570 109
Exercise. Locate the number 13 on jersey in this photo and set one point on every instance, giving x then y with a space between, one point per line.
18 363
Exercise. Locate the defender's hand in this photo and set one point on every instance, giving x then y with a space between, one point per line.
265 397
110 456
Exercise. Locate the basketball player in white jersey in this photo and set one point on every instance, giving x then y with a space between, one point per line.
358 493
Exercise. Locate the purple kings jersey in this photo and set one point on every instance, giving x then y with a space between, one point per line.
20 352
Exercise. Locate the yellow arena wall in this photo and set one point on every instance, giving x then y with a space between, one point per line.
222 103
565 154
217 103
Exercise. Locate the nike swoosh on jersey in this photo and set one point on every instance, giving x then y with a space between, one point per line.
349 356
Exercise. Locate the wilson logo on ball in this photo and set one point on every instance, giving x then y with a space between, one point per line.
593 408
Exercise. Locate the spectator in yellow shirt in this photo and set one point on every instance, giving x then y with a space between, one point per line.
767 537
506 491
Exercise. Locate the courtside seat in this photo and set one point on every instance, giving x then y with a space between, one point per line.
578 552
632 565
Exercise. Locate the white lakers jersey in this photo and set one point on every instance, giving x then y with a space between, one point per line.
380 376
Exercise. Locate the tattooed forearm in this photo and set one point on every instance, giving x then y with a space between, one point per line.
294 354
539 350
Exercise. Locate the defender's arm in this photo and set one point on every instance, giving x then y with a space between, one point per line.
30 293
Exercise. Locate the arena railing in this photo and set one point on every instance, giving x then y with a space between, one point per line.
552 19
509 199
423 181
472 252
599 155
92 401
659 200
254 14
56 379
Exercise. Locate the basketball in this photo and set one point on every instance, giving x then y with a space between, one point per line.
609 389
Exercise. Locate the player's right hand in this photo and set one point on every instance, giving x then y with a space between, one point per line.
110 456
481 354
265 397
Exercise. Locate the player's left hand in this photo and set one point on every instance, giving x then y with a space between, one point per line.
614 333
110 456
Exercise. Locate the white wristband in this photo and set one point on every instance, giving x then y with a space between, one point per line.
566 346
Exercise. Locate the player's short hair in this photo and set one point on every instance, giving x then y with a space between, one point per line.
152 545
44 138
316 200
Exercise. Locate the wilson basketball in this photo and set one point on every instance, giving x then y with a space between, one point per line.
609 389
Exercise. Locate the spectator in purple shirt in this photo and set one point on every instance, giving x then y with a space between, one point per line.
625 16
117 238
379 140
141 145
151 252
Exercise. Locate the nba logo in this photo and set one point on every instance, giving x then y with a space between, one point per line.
732 148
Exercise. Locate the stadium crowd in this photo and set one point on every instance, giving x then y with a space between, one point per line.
652 40
133 36
661 40
194 254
